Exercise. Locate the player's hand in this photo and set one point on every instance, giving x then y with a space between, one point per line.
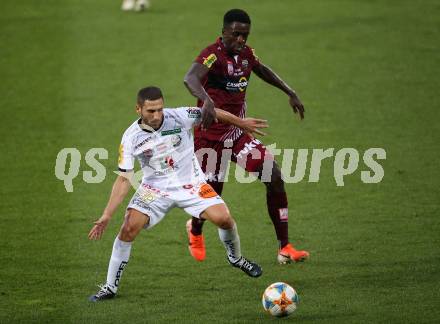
296 105
252 126
208 114
99 228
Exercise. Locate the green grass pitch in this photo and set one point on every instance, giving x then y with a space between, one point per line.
368 74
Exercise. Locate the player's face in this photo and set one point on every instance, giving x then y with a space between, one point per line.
151 112
235 36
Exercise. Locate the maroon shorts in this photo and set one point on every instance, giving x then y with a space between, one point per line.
249 153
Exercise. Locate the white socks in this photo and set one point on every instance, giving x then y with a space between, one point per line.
231 241
118 261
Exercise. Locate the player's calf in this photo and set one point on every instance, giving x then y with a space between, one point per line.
118 261
133 223
227 230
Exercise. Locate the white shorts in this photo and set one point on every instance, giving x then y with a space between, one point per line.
156 203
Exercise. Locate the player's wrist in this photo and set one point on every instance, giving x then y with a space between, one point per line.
206 99
291 93
241 123
209 103
106 215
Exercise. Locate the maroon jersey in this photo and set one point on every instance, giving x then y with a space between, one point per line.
226 84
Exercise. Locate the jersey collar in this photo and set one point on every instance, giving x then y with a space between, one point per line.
139 122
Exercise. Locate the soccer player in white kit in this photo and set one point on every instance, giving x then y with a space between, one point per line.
162 141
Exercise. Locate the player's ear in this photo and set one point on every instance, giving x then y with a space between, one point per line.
138 109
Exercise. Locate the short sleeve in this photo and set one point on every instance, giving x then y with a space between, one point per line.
188 116
207 57
126 158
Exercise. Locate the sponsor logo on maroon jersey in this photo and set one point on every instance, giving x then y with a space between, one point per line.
241 85
209 61
230 68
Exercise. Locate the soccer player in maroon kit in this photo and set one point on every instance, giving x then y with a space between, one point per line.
219 78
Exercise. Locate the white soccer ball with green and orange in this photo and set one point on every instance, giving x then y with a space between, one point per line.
280 299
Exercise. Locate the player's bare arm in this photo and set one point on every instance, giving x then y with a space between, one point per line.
120 189
193 82
249 125
269 76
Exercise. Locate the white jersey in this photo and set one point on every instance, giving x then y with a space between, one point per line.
166 155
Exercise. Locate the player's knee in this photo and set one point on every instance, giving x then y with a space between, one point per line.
128 230
126 233
226 222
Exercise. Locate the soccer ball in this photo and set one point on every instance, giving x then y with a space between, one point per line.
280 299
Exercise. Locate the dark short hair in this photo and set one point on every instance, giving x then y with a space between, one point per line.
236 15
149 93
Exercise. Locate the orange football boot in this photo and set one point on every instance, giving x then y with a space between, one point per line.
288 254
196 243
